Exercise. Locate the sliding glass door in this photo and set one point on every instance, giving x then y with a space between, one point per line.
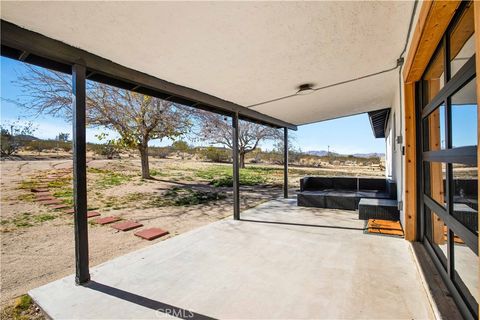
448 171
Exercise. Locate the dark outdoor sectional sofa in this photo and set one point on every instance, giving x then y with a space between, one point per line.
465 202
343 192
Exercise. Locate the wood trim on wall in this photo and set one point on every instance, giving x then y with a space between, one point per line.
433 20
477 62
410 210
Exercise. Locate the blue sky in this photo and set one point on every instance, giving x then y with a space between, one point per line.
345 135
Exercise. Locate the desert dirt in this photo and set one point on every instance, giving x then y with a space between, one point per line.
37 242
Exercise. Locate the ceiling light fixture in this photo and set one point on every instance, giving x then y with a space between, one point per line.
305 89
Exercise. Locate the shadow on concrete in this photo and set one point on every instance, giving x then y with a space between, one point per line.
160 307
303 224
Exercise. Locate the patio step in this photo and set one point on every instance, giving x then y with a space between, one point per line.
151 233
106 220
127 225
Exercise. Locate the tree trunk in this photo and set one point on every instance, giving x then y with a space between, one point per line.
242 159
144 160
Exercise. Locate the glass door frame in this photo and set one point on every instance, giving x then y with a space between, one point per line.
462 155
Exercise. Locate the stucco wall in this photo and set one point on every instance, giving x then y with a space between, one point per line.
394 168
396 160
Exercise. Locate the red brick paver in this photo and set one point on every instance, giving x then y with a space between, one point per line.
49 202
42 194
151 233
106 220
91 214
45 198
59 206
127 225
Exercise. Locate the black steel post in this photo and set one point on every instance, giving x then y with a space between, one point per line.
236 170
285 162
82 274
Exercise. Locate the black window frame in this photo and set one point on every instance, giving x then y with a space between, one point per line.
462 155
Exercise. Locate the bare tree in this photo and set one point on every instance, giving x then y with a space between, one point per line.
218 130
137 118
13 136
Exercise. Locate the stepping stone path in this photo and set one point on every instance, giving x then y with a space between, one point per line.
151 233
91 214
45 198
40 194
127 225
106 220
59 206
50 202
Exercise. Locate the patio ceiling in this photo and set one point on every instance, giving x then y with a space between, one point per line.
243 52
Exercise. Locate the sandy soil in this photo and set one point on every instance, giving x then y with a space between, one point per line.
43 251
35 255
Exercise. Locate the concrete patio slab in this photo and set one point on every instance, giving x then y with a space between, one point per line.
270 266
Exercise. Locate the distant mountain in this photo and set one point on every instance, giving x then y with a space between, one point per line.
323 153
320 153
26 137
368 155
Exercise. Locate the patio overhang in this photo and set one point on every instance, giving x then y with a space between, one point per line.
349 54
205 54
378 121
30 47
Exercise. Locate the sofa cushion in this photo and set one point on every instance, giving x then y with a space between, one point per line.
372 184
311 199
344 183
380 194
316 183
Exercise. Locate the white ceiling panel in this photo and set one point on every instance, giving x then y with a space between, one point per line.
243 52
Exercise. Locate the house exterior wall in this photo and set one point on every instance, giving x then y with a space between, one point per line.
393 167
395 160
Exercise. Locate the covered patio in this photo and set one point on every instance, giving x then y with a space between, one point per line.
280 64
273 268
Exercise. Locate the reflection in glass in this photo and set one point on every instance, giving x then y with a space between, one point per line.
435 177
465 195
462 40
436 232
434 130
464 116
433 77
466 267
